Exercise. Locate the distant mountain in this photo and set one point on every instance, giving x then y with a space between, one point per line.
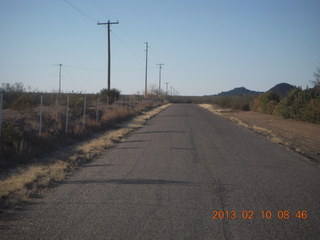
282 89
240 91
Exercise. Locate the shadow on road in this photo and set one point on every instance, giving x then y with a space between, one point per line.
161 132
174 115
137 181
133 141
98 165
181 148
127 148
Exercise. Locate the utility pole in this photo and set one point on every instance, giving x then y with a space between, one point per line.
146 76
60 65
109 54
160 66
167 88
59 90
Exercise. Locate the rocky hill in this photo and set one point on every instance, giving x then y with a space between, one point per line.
281 89
240 91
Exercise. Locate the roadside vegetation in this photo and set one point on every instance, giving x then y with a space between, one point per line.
37 123
299 104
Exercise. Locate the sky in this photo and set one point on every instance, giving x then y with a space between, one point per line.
206 46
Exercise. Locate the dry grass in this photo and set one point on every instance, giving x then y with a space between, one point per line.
21 184
20 129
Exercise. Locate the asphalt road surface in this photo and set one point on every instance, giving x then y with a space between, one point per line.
166 180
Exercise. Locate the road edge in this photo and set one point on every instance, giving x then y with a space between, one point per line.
267 133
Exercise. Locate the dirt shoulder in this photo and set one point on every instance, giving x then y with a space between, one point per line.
302 137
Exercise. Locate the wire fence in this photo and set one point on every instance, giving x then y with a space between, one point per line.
25 117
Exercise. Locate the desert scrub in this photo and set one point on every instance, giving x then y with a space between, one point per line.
303 105
21 139
265 103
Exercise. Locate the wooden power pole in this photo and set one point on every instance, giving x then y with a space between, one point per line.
160 66
146 75
109 52
60 65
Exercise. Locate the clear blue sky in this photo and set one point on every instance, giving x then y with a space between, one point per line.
207 46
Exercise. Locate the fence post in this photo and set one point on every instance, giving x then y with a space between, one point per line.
84 110
40 121
67 114
1 99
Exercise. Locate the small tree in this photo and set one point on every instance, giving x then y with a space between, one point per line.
266 102
109 96
316 81
14 87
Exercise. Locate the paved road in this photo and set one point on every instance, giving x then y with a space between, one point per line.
165 180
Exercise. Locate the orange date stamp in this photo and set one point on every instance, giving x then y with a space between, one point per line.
266 214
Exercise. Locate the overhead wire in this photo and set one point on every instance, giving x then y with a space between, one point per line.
103 12
69 76
24 65
124 44
84 68
101 9
80 11
121 26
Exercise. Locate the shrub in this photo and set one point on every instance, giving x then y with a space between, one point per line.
266 102
300 105
245 107
312 111
14 142
110 96
25 101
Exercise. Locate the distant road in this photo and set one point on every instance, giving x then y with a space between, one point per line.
165 180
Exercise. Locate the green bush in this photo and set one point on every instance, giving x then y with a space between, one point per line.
312 111
110 96
266 102
300 105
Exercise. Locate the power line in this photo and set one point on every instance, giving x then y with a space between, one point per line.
101 9
124 44
24 65
105 13
79 11
70 77
84 68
